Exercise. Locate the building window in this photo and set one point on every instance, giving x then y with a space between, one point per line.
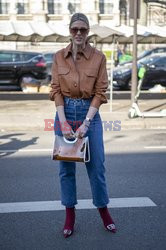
22 7
4 7
74 6
123 12
106 6
54 7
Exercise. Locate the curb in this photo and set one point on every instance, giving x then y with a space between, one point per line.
125 95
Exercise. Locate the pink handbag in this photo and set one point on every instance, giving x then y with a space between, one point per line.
67 150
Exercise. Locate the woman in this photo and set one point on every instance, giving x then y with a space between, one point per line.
79 83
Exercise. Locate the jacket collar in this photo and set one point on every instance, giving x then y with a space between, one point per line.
86 52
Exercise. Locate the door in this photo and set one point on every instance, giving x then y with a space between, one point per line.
161 71
8 67
156 73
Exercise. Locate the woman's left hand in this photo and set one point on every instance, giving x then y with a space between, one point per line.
81 131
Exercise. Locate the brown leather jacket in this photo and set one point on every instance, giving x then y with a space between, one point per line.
85 78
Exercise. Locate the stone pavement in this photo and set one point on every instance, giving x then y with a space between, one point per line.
21 115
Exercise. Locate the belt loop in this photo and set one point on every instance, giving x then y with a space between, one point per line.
83 102
67 100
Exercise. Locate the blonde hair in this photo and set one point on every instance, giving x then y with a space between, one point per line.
79 17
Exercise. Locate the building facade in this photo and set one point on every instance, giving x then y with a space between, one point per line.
98 11
156 13
104 12
114 12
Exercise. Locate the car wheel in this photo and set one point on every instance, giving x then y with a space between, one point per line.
25 85
129 84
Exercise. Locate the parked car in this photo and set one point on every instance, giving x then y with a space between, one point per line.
155 72
49 57
16 65
146 53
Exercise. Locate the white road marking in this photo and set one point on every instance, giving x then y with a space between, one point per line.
155 147
50 149
27 150
38 206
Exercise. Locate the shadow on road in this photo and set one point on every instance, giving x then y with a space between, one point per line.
14 143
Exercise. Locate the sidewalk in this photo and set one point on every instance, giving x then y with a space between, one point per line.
30 114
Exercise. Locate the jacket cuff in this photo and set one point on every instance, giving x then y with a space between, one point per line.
59 101
96 102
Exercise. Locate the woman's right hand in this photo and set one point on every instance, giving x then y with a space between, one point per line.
67 131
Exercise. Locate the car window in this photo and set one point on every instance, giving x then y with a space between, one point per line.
5 57
143 54
49 57
161 61
27 57
160 50
148 60
10 57
16 57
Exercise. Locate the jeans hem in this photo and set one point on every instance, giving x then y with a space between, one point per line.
69 205
101 205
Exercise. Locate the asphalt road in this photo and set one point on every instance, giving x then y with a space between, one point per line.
135 167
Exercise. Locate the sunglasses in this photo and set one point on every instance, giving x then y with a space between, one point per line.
74 31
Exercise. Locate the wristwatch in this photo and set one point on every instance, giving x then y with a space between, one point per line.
87 121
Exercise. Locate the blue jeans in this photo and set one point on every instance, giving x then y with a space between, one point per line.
76 111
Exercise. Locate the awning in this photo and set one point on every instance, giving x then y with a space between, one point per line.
33 32
25 31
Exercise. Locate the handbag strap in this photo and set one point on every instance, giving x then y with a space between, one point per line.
70 142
